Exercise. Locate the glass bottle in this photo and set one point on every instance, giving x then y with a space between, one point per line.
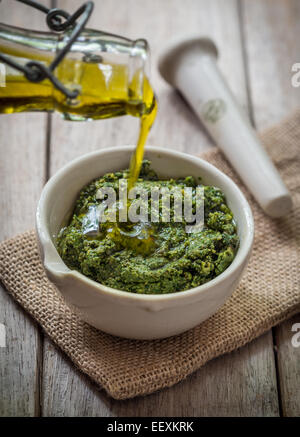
109 71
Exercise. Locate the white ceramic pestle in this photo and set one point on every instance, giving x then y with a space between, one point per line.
190 66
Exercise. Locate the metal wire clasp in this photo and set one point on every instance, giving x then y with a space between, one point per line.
57 20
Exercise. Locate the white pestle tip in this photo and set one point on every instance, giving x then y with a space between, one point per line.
279 207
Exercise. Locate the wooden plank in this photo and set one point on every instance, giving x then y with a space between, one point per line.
242 383
273 46
67 392
22 171
288 353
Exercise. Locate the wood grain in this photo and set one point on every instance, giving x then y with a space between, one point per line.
242 383
272 29
272 46
22 165
288 366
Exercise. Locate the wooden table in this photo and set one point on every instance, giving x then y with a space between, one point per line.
258 40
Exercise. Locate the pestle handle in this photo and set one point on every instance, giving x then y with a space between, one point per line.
191 67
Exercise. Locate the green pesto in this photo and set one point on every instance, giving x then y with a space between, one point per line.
167 260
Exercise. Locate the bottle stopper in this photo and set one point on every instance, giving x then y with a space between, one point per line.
191 66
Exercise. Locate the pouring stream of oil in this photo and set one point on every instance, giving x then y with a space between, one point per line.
147 119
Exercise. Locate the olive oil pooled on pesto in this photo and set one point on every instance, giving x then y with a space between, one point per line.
176 260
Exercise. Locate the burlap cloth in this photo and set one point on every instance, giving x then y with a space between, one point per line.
268 293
